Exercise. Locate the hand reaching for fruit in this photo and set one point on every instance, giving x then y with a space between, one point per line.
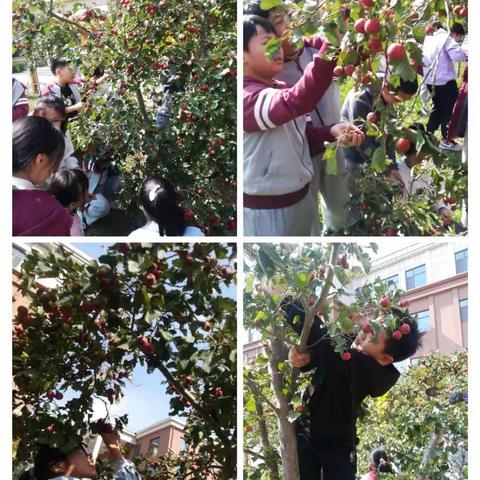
347 134
297 359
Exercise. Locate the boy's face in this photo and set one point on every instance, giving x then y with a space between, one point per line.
255 62
373 346
278 17
65 74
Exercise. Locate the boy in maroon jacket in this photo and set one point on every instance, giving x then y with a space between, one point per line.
279 139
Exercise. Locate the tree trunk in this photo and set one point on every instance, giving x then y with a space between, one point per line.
432 445
34 79
288 438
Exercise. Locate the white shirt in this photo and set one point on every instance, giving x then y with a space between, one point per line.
150 231
22 184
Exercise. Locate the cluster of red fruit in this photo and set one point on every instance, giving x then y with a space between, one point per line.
54 394
342 261
125 3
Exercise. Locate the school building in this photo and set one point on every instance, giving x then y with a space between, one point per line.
434 277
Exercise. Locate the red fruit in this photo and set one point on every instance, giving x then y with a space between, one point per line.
299 408
149 279
405 329
249 428
58 395
231 225
50 429
346 356
385 302
349 69
403 145
366 79
124 247
464 12
372 117
429 30
372 26
375 45
404 303
219 141
321 271
18 329
188 214
145 344
214 222
390 232
218 392
397 335
338 71
203 88
360 25
366 328
50 394
457 9
366 3
396 51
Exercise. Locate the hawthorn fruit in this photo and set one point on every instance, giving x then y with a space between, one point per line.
372 26
397 335
405 329
396 51
403 145
359 25
385 302
346 356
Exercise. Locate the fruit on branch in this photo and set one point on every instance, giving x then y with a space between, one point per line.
404 303
403 145
349 69
396 51
374 44
338 71
346 356
359 25
372 117
372 26
405 329
397 335
385 302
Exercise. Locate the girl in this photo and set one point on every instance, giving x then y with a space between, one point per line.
378 463
159 203
53 109
37 151
70 188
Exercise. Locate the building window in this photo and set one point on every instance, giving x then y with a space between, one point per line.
138 447
154 446
461 261
414 361
463 304
416 277
18 257
392 282
423 321
183 447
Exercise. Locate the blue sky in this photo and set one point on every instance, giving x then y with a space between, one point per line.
145 399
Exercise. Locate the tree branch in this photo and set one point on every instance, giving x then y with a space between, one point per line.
256 391
66 20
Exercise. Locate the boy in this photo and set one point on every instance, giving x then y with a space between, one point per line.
333 188
278 140
65 87
327 438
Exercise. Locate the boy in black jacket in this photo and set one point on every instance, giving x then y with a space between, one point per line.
327 435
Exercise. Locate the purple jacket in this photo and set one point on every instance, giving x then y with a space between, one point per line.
38 213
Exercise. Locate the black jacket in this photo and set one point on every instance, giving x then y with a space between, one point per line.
338 387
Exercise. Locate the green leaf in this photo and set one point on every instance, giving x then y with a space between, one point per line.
133 266
269 4
292 416
378 159
250 405
303 278
330 156
249 283
273 47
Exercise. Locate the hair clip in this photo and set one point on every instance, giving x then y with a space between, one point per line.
152 195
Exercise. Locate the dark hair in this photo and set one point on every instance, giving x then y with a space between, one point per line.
253 8
33 136
250 23
407 86
44 460
54 103
437 24
160 201
69 186
61 62
458 29
379 459
409 343
27 475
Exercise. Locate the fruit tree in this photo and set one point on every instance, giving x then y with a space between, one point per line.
368 38
140 45
318 275
161 306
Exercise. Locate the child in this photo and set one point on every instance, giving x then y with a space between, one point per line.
65 87
159 203
378 463
278 140
70 188
53 109
333 188
37 150
327 439
19 100
51 463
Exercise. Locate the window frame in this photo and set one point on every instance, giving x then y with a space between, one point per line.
414 276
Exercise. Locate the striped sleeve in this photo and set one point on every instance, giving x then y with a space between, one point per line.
270 107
